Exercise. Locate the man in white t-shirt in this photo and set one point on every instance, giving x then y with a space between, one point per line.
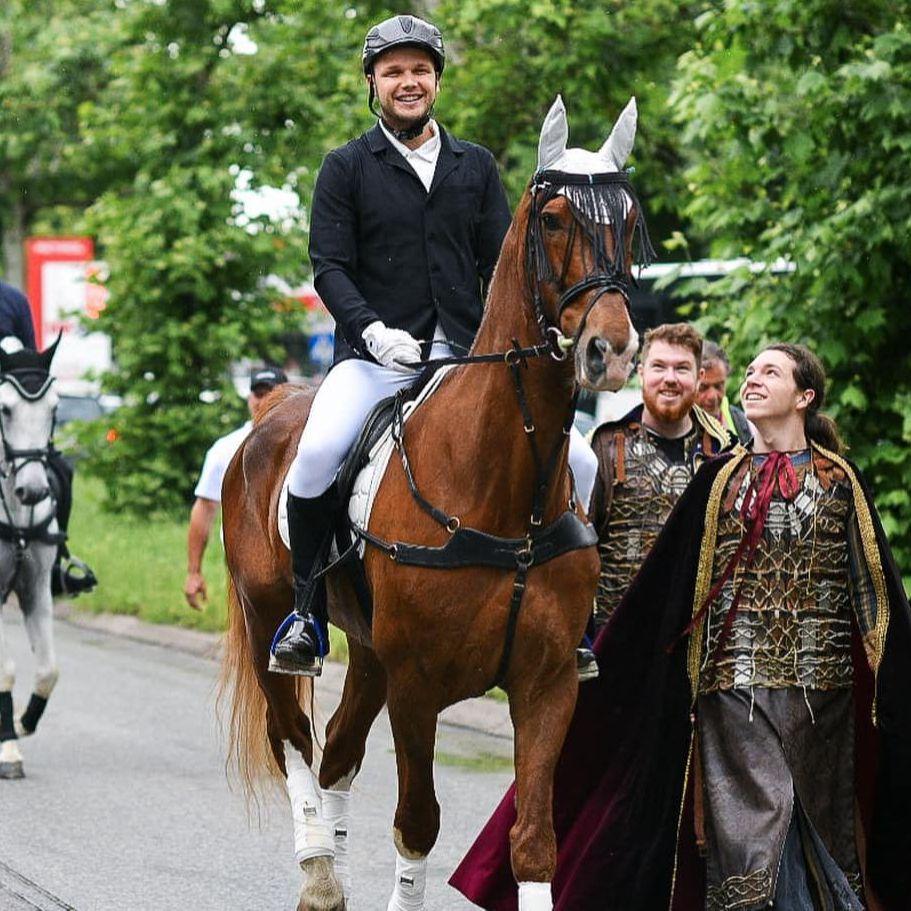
208 488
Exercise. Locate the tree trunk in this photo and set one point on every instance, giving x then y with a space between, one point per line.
14 243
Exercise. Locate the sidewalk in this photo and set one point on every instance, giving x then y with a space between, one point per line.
485 716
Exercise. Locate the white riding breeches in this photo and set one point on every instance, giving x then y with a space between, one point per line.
340 408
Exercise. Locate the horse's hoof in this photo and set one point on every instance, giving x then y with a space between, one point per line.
21 730
319 906
11 770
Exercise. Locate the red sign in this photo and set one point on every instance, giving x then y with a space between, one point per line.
63 287
43 295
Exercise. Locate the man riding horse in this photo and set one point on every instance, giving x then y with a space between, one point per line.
406 226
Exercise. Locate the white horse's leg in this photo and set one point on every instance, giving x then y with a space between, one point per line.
410 878
535 897
336 812
10 757
314 844
34 591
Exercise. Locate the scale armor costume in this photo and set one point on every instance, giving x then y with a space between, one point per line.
646 479
776 709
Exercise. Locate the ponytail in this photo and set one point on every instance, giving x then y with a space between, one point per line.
821 429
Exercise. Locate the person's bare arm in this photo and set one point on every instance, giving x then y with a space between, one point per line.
202 515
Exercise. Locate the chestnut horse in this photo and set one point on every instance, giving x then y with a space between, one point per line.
560 292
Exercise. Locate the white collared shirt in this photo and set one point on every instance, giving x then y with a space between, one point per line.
217 460
424 158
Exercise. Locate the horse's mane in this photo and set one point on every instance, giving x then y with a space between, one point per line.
279 394
509 281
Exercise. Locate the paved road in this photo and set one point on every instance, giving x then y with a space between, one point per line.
126 805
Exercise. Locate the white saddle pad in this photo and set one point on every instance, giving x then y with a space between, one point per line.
368 479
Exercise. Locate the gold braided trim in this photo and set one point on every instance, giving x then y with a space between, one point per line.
871 552
711 425
706 561
686 782
738 891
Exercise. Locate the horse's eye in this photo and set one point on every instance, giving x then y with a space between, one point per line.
6 411
550 222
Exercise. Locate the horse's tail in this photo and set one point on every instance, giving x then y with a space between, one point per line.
240 696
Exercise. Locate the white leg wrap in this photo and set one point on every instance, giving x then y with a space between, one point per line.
312 836
535 897
9 751
410 884
336 812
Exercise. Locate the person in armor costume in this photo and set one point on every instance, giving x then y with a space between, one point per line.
748 743
406 226
647 458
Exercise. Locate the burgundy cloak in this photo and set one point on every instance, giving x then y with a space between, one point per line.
619 787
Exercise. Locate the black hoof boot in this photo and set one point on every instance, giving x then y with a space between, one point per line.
11 771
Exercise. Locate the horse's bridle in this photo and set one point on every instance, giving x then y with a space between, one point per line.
605 191
16 459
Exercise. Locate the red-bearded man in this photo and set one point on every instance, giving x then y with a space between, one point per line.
647 458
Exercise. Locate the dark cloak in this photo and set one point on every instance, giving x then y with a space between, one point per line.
623 786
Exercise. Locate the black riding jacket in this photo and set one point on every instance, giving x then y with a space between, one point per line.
383 248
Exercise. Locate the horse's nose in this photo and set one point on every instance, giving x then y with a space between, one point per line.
31 495
596 353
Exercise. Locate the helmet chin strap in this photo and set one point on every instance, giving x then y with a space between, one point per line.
411 132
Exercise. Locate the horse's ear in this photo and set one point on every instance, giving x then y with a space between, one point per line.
620 142
554 134
48 354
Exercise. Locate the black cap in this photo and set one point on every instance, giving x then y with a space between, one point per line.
267 376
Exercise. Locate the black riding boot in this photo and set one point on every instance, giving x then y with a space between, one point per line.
302 640
69 575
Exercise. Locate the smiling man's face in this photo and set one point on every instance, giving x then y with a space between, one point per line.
769 391
668 380
406 85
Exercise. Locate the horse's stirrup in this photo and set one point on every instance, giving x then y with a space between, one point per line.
77 577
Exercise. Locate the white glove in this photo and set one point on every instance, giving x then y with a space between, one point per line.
392 347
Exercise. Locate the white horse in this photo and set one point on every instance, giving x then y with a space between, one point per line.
29 536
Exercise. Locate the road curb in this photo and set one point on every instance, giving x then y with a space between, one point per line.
483 715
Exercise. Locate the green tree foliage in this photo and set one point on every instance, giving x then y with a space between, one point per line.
48 69
204 94
186 281
511 57
797 120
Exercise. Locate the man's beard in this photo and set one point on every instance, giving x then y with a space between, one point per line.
406 128
665 412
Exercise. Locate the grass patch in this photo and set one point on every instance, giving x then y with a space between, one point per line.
481 762
141 566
